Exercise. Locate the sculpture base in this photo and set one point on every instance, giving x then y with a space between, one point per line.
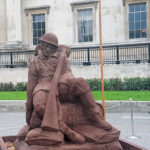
67 146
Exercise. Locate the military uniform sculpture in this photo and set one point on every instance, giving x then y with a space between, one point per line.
60 108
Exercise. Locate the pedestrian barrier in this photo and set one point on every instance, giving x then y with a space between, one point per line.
131 108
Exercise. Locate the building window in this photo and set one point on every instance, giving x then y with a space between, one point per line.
137 20
85 25
84 21
38 27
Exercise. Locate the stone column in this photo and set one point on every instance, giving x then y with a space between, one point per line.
14 33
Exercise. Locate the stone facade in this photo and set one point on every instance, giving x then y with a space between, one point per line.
16 32
61 18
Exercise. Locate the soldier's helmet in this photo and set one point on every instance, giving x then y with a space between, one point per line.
49 38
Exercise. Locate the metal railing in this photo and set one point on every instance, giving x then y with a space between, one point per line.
113 54
116 54
16 59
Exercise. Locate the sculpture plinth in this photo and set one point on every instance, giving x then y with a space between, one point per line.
68 146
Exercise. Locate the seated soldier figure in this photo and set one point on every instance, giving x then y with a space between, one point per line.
40 76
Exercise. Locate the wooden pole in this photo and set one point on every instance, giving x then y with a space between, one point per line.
101 59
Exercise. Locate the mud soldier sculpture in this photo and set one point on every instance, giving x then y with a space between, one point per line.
60 108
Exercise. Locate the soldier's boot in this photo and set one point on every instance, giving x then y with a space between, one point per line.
93 112
71 134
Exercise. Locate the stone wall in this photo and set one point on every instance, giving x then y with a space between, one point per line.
113 71
87 72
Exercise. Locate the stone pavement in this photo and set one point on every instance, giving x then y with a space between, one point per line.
11 123
111 106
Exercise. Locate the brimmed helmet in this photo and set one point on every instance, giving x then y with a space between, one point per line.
49 38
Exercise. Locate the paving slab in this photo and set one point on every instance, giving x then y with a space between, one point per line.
12 122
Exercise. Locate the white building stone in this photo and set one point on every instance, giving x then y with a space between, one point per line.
16 30
61 18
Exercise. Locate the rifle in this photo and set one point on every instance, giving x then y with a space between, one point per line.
50 119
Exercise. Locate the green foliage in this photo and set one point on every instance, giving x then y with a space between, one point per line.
146 84
21 86
132 83
116 84
137 84
6 86
95 84
113 84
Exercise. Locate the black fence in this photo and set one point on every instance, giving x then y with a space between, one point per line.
114 54
16 59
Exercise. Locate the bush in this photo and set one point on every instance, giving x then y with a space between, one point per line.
21 86
137 84
109 85
113 84
146 83
116 84
6 86
95 84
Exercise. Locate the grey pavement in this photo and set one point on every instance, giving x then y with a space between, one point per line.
111 106
12 122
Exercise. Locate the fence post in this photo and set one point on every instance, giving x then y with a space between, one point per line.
89 56
117 51
148 53
11 60
88 63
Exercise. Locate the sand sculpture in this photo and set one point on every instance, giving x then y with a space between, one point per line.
61 113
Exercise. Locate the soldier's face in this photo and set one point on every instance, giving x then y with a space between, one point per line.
48 49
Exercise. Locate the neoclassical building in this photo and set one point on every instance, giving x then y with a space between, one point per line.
75 22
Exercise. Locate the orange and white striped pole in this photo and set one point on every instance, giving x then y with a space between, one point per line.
101 58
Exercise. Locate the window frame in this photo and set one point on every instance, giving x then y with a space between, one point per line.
82 6
36 23
127 3
138 22
78 20
35 11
